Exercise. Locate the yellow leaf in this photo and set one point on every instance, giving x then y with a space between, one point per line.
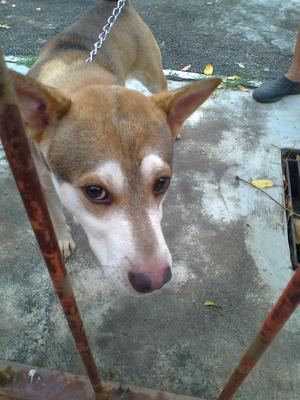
208 70
233 78
244 88
221 86
262 183
209 303
241 65
4 26
186 68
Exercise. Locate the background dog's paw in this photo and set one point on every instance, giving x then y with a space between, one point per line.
65 241
67 246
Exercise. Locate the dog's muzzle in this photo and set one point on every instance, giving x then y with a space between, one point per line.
149 278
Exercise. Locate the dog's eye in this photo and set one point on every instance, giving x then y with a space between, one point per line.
96 194
161 185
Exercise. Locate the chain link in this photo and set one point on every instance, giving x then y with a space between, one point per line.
106 29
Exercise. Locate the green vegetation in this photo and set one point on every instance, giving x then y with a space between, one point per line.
27 61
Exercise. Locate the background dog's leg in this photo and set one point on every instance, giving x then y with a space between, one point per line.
55 207
154 79
148 67
61 227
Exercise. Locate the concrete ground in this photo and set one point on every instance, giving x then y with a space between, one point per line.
229 245
229 241
258 33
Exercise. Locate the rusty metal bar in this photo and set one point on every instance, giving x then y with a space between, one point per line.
18 153
49 385
281 312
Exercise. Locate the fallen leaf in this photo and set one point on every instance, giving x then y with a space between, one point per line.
38 9
3 1
209 303
244 88
241 65
297 230
13 5
262 183
162 43
186 68
233 78
4 26
208 70
221 86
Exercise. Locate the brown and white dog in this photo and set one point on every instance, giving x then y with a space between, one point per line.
102 150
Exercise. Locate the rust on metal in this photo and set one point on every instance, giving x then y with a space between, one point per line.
39 384
30 383
282 310
19 156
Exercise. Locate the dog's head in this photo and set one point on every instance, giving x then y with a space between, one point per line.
110 153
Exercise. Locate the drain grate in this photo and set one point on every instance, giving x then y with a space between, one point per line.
291 172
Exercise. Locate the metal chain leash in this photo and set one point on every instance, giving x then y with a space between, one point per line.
106 29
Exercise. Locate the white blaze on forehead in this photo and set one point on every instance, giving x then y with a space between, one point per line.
111 174
151 164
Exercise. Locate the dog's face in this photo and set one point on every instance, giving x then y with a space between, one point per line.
110 154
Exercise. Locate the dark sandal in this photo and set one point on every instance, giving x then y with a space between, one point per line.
272 91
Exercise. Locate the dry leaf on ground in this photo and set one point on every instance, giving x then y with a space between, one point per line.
4 26
244 89
210 303
233 78
262 183
187 67
297 230
208 70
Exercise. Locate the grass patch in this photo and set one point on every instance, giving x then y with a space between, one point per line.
240 81
27 61
237 82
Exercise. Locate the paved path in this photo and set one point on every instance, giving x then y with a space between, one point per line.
258 33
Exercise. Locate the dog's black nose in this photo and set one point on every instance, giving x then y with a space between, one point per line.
167 275
140 282
146 282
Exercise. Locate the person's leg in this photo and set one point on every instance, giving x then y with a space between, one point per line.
293 73
284 85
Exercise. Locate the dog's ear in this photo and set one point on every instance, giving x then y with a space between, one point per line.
180 104
40 105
